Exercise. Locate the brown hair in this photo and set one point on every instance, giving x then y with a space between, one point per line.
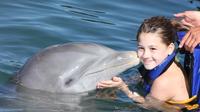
159 24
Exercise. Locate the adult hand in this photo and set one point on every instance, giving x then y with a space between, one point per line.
114 82
189 18
191 39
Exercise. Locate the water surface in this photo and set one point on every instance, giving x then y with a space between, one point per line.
27 26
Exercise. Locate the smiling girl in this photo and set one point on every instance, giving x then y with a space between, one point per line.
156 37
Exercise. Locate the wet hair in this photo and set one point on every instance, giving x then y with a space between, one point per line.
161 25
167 29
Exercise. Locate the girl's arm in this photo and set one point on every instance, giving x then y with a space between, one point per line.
133 95
119 83
148 102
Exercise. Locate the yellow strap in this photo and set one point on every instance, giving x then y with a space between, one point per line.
185 103
182 102
191 107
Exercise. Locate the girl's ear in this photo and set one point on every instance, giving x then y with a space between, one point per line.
171 48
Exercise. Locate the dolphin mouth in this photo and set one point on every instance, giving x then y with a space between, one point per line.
106 68
131 61
71 81
109 69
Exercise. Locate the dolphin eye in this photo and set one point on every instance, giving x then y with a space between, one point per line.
68 82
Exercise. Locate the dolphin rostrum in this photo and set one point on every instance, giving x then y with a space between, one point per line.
74 67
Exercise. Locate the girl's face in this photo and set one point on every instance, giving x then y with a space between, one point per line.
151 50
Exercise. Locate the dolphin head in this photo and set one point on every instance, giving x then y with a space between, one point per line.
74 67
103 68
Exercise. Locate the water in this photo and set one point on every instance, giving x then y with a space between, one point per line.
26 26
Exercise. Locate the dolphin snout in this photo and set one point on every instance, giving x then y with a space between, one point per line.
132 55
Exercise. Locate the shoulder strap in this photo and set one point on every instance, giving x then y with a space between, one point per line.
196 73
192 66
151 75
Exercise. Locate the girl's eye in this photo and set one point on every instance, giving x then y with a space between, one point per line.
140 48
153 49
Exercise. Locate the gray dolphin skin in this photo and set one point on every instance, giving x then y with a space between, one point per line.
74 67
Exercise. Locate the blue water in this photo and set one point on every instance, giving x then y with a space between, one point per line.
27 26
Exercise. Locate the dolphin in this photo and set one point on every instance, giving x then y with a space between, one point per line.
74 67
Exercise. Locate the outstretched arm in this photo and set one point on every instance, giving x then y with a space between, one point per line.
148 102
119 83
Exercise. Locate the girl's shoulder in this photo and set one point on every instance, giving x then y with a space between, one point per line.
165 86
169 78
173 73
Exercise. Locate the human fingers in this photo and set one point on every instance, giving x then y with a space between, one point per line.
107 82
184 39
193 39
187 23
182 14
189 13
192 17
193 46
117 79
189 41
196 38
101 85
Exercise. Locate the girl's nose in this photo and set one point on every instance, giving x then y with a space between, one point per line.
146 54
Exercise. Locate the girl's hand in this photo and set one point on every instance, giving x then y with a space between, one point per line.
114 82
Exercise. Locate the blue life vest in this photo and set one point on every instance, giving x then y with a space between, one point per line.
157 71
151 75
195 69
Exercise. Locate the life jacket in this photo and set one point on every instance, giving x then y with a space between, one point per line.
150 75
192 68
